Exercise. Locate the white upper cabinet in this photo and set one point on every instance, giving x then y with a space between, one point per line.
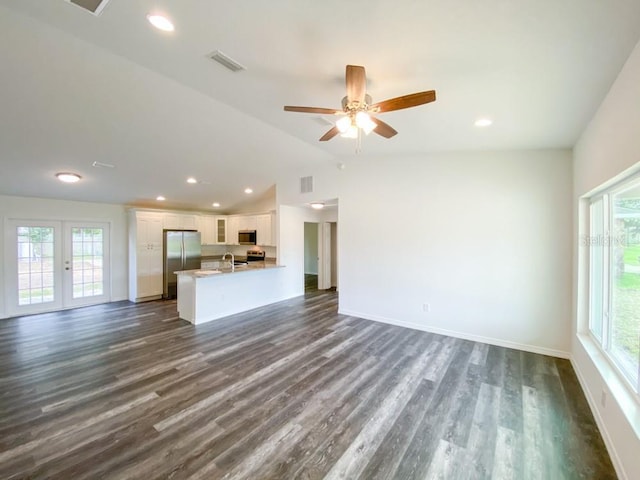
233 224
265 231
247 222
207 229
149 230
221 230
179 221
263 225
213 229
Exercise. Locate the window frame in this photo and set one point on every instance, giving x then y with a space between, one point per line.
607 243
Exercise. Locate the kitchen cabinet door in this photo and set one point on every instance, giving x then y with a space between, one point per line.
149 231
189 222
233 224
171 221
264 230
221 230
146 261
207 229
178 221
149 273
247 222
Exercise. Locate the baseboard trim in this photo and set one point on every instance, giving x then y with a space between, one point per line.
465 336
602 426
146 299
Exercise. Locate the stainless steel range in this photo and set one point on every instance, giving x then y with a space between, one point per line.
255 256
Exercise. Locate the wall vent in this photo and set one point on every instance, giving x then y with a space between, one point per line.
306 184
102 165
94 7
226 61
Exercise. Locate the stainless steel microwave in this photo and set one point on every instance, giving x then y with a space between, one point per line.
247 237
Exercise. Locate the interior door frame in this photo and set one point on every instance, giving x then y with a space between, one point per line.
324 255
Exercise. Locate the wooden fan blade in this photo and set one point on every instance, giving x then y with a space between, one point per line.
383 129
322 111
406 101
330 134
356 80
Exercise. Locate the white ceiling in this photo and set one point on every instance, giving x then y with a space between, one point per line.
78 88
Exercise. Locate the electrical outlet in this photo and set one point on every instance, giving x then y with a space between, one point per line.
426 307
603 398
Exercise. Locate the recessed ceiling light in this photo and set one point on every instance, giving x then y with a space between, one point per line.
248 190
215 204
483 122
161 22
160 198
191 180
317 205
67 177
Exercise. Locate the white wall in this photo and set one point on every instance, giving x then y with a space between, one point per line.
311 248
46 209
291 245
264 203
608 147
483 238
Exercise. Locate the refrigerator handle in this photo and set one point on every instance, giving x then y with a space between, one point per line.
184 254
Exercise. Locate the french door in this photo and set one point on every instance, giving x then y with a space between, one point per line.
55 265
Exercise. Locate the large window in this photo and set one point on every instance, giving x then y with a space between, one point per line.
614 273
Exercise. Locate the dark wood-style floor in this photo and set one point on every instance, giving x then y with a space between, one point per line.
291 390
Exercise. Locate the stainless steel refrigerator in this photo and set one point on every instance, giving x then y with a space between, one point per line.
181 250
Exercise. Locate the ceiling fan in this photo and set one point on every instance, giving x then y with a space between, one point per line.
357 108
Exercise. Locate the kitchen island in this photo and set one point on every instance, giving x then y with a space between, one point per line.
205 295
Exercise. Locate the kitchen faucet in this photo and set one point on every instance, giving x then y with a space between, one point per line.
233 265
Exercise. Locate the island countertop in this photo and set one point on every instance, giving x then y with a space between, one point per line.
205 295
251 267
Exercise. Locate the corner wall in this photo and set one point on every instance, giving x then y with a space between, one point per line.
474 245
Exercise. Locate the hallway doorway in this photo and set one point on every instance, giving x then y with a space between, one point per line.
311 257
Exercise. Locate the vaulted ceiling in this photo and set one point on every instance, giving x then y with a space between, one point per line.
78 88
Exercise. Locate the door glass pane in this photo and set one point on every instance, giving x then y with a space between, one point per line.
222 235
35 265
596 272
625 281
87 262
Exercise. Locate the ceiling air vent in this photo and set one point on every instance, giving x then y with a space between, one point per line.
306 184
94 7
226 62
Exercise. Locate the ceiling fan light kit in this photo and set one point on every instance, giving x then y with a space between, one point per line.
357 109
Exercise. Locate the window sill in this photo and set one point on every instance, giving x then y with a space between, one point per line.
627 400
